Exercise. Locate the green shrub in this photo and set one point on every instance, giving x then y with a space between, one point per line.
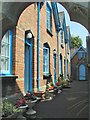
8 108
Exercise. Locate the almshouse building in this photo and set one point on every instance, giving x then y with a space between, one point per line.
79 69
36 51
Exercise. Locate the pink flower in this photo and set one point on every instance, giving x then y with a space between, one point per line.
57 83
21 102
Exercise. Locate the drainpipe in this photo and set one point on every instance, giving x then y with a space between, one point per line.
38 48
11 46
65 61
57 55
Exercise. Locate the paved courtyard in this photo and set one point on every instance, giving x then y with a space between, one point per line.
71 103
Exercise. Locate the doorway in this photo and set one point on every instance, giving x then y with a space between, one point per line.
82 72
54 68
28 65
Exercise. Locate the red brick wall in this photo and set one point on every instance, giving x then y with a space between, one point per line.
28 21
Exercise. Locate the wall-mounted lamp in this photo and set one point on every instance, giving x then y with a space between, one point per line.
54 52
29 34
60 28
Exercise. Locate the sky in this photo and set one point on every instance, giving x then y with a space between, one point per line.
76 29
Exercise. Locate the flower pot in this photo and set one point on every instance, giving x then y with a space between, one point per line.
14 115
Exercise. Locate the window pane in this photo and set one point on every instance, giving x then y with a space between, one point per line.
2 63
43 68
45 51
6 64
43 59
2 48
47 70
6 37
7 50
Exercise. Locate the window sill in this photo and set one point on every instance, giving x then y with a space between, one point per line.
48 75
61 75
62 45
8 77
49 32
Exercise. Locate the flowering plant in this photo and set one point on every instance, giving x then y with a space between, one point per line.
21 102
50 86
30 96
58 83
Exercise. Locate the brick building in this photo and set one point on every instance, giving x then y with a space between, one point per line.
32 52
64 47
79 69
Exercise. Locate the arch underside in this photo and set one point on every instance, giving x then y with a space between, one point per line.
11 11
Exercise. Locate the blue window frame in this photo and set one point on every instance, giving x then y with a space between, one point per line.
45 60
49 17
81 54
6 54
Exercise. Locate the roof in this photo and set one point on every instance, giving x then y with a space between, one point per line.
77 51
56 16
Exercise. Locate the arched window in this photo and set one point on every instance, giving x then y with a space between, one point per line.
46 52
6 54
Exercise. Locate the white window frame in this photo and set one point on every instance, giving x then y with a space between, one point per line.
4 56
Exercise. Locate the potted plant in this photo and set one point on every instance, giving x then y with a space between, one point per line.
58 83
50 86
65 83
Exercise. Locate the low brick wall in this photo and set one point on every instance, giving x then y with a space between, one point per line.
8 85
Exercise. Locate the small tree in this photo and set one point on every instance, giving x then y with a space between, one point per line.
76 41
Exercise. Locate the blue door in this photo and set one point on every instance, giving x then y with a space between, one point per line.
54 68
82 72
28 65
60 69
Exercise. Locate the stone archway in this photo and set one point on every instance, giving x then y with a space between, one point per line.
11 11
78 11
